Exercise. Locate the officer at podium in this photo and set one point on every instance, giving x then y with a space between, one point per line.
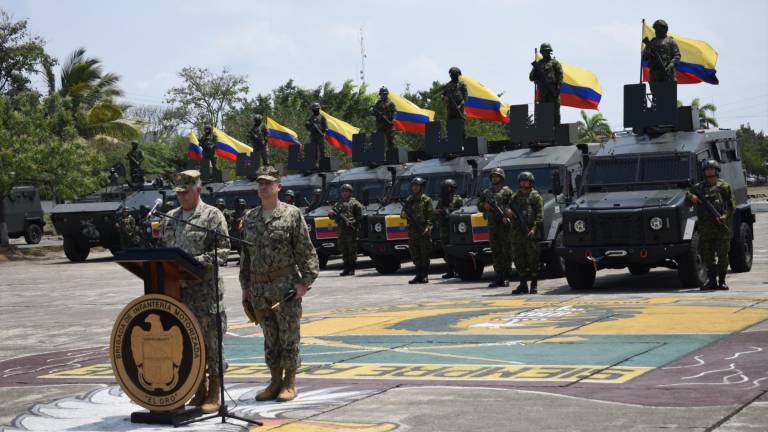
200 297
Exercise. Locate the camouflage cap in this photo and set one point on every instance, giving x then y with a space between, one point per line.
186 180
268 173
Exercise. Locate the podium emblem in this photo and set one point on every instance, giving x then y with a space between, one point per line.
157 352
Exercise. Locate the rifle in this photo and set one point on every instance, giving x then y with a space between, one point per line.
539 74
381 116
656 56
315 127
498 213
412 221
520 219
698 192
454 104
344 219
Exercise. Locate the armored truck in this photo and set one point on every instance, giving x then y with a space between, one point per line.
24 214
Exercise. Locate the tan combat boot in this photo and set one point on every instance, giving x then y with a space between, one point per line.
273 389
212 401
288 390
201 392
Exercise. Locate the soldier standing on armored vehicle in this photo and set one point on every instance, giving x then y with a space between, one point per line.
347 213
418 210
317 127
208 143
449 202
257 138
494 202
661 54
455 95
527 209
135 159
384 110
715 206
547 73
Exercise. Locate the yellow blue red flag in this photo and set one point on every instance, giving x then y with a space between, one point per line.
580 88
194 151
228 147
697 59
408 116
339 133
280 136
482 103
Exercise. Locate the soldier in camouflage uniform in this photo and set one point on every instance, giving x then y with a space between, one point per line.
449 202
317 194
384 110
289 197
418 210
280 259
455 95
714 233
529 204
317 127
547 73
135 159
257 138
498 227
208 143
222 206
200 297
128 230
661 54
347 213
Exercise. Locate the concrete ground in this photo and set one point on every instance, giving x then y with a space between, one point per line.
635 353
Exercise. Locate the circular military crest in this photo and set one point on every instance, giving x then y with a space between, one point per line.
157 352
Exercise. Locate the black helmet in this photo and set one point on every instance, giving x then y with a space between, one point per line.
711 163
207 128
315 105
661 24
221 202
383 90
317 191
454 71
169 204
418 181
449 183
289 192
526 175
497 171
135 143
241 202
346 186
257 117
545 47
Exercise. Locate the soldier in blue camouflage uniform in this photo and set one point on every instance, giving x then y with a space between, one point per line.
661 54
528 203
449 202
714 233
200 297
384 110
455 95
280 259
418 210
347 213
498 228
547 73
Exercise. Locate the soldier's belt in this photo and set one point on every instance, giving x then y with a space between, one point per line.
272 276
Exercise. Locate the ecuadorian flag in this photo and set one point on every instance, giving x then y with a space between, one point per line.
697 59
409 117
280 136
339 133
228 147
482 103
580 88
194 151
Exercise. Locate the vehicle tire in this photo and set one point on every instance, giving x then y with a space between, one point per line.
33 234
690 266
468 270
639 269
580 276
741 249
386 264
555 263
323 259
74 250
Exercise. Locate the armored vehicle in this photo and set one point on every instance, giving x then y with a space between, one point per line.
632 212
24 214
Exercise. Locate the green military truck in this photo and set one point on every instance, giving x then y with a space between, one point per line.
24 214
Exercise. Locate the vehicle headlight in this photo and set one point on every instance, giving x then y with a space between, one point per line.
462 227
656 223
378 227
579 226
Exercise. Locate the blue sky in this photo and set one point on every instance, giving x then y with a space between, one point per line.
407 42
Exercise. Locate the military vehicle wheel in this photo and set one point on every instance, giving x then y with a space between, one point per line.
468 271
555 263
639 269
323 259
386 264
690 266
74 250
580 276
34 234
741 250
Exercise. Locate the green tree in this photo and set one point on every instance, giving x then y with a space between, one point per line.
706 113
754 150
204 98
593 128
21 55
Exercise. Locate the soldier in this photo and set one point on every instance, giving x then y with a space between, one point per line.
257 137
317 127
714 231
547 73
455 95
222 206
208 143
236 230
168 206
347 213
418 210
290 197
200 296
661 54
449 202
128 230
498 195
280 259
528 204
317 194
384 110
135 159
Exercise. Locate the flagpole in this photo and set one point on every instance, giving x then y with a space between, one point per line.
642 31
535 86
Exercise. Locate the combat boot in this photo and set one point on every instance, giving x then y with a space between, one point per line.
721 285
450 275
273 389
345 272
424 275
522 288
199 396
416 278
212 401
288 389
534 286
501 281
711 282
351 270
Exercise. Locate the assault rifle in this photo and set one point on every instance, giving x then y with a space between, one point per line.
698 192
521 219
412 221
498 213
381 115
344 219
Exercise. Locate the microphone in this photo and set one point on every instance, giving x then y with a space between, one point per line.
158 202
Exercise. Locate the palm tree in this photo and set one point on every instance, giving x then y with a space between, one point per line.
593 128
705 119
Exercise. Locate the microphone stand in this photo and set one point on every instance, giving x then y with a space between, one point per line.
223 410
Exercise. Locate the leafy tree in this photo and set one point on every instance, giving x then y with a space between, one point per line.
21 55
754 149
593 128
706 113
204 98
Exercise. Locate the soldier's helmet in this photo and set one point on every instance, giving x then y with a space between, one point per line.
497 171
169 205
545 47
317 191
660 23
710 164
257 117
418 181
207 128
454 71
449 183
290 193
220 202
526 175
135 143
241 202
125 209
346 186
383 90
315 106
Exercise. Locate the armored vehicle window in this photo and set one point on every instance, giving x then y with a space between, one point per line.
636 171
543 176
402 188
365 191
608 171
663 169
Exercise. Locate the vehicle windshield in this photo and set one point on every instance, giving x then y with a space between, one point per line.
543 176
638 171
366 191
434 185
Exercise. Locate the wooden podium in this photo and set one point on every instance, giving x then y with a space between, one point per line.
157 348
